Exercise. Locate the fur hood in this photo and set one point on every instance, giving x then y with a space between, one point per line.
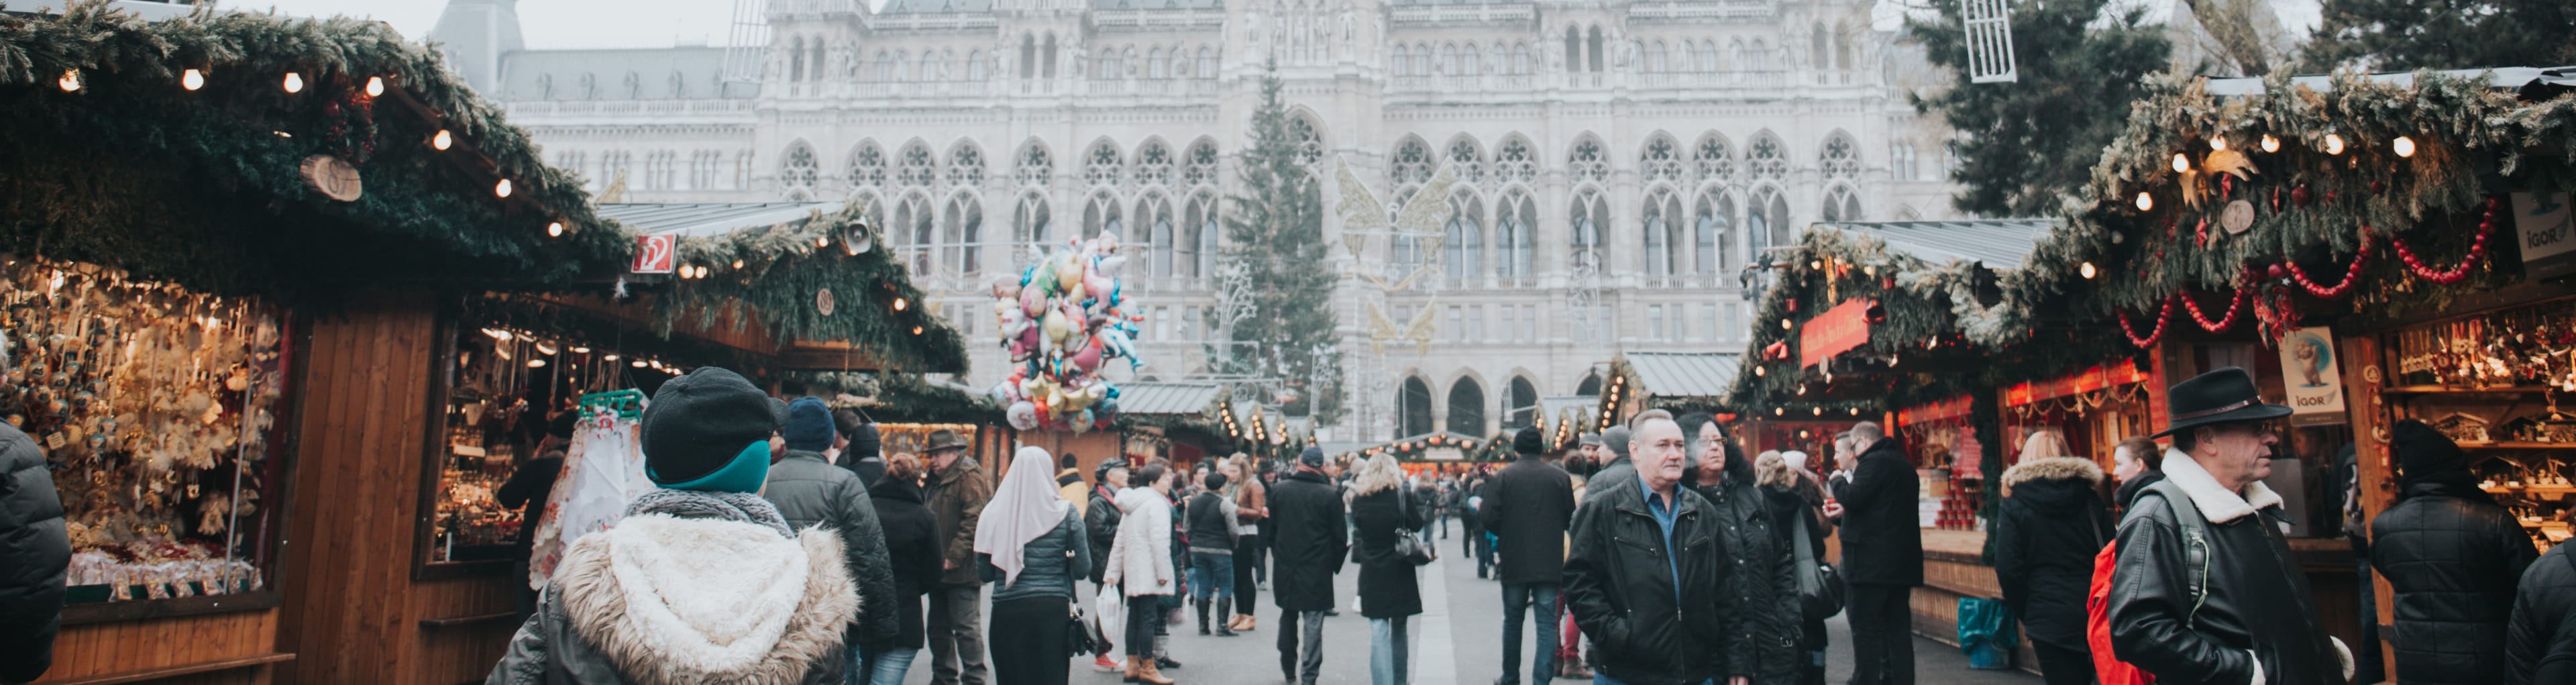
2053 468
1774 471
669 600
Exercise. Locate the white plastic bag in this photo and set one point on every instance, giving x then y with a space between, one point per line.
1110 609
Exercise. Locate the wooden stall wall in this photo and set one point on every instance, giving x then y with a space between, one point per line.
224 648
351 611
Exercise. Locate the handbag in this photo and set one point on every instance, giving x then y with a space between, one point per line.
1409 543
1820 585
1078 636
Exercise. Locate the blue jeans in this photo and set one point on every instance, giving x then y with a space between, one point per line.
889 665
1519 601
1387 646
1211 574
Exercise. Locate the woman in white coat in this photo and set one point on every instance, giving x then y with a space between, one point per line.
1140 565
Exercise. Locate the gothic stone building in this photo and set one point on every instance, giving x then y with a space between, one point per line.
1620 163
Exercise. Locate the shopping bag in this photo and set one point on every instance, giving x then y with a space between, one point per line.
1110 611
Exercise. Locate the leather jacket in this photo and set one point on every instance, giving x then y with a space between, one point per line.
2255 613
1621 588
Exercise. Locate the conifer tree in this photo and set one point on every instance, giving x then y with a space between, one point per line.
2403 35
1275 240
2024 146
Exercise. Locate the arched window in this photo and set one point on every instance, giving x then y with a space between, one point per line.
1197 254
961 227
1587 163
1128 67
1715 160
1517 217
1422 65
975 66
799 172
1154 217
1592 49
1465 253
1661 160
912 220
1840 158
1200 168
885 67
1400 62
796 60
1105 67
1520 404
1156 66
1514 163
1029 223
1589 215
966 165
902 67
1412 162
914 166
1761 55
1102 215
1028 56
1767 220
867 165
1768 159
1663 234
1591 385
1520 59
1414 404
1448 63
1467 159
1710 231
1046 55
1154 163
1655 57
1817 46
1842 50
1841 205
1207 62
1467 407
1310 142
1036 166
814 60
1573 49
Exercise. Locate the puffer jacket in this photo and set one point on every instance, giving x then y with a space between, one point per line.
1762 632
2255 618
2453 558
738 597
912 542
810 491
1100 523
1621 587
1048 564
957 498
2540 643
2051 526
1140 561
34 553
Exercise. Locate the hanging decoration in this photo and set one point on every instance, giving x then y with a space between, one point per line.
1063 319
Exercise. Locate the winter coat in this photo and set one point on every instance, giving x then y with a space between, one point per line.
1761 634
1140 561
1069 485
810 491
2129 489
1048 564
957 498
2540 643
1100 523
1387 586
1882 537
2254 617
2051 526
1249 501
1646 628
1614 474
734 596
35 551
1527 506
912 542
1310 541
870 468
2452 558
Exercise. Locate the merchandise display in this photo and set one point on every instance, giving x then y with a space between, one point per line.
510 386
2493 383
913 438
156 406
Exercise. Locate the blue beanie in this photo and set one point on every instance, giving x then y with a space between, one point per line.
1312 456
809 425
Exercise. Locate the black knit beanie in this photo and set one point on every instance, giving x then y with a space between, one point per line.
699 422
1528 441
2422 451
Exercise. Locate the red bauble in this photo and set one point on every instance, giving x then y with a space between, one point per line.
1793 305
2378 188
2301 197
2276 270
2330 197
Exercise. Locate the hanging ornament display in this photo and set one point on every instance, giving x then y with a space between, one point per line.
2453 276
1062 319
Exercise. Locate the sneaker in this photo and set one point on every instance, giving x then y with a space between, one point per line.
1166 662
1102 664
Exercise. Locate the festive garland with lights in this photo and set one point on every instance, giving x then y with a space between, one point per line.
776 274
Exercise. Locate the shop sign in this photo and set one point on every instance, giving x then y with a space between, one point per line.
1443 454
656 254
2548 237
2088 380
1952 408
2310 375
1837 330
332 177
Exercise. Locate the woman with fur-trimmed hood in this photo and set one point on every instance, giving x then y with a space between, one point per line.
2051 525
702 581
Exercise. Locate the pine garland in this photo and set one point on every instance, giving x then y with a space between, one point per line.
784 267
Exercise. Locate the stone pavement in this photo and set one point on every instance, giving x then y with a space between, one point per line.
1456 641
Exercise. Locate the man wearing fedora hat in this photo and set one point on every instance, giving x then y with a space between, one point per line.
2206 589
958 490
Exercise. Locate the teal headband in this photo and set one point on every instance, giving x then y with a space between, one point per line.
745 474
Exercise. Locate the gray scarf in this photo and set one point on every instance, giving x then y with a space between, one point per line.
728 506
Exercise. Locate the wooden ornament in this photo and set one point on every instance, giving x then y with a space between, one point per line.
332 177
823 303
2237 218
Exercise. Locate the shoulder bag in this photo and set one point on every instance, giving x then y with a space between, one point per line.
1820 585
1409 543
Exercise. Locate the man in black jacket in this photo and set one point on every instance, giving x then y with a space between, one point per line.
34 553
808 490
2453 556
1312 542
1882 557
2206 589
2540 645
1642 578
859 451
1616 471
1527 506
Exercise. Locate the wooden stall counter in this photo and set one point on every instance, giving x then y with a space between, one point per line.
211 639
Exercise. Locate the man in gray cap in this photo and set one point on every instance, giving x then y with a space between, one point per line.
1617 471
1587 456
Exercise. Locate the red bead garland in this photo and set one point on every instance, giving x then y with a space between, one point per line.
2351 275
2235 306
2163 316
2477 250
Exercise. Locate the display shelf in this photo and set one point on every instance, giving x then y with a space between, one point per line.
2536 490
2465 390
2516 445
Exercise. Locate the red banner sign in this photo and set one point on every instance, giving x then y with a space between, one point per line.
2089 380
656 254
1839 329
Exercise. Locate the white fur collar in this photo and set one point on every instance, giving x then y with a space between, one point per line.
2216 504
684 600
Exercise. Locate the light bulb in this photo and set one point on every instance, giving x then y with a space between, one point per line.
554 229
2405 146
1757 371
1776 411
441 140
611 357
737 264
375 86
547 348
192 79
2271 144
2334 144
1820 411
639 363
822 241
497 334
2146 202
2218 143
2181 163
294 82
582 349
536 363
900 304
70 81
1785 325
501 189
916 330
2087 270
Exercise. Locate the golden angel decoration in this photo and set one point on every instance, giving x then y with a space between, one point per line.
1365 217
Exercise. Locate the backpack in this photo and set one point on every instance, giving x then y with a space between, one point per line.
2097 598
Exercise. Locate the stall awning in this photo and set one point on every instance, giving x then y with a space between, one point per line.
1996 243
1678 374
710 218
1167 398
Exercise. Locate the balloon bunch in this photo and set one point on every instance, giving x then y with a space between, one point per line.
1062 320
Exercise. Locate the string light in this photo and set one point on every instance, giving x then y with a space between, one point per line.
1776 411
375 86
822 241
2146 202
2405 146
737 264
1785 324
2271 144
554 229
611 357
2218 143
497 334
1758 372
1820 411
71 81
441 140
900 304
579 349
916 330
2087 270
547 348
536 363
501 189
2181 162
294 82
192 79
2334 144
639 363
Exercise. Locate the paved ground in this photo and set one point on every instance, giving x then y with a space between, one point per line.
1456 641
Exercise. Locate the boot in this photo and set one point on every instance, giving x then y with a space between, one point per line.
1249 623
1162 654
1146 673
1135 667
1201 606
1224 607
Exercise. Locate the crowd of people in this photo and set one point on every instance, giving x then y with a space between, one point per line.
782 547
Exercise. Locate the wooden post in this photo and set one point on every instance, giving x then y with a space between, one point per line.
2362 357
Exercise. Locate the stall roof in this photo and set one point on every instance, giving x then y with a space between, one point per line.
1552 406
2499 77
1996 243
710 218
1167 398
1684 374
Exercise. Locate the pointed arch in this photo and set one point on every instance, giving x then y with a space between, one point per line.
1587 159
1712 230
1153 221
1198 166
1660 158
1035 164
1588 220
1515 229
1841 204
1515 160
1411 161
1591 385
1767 221
965 163
1464 251
1102 163
1413 407
1467 406
1766 157
1520 402
1661 223
1714 157
913 230
914 166
1467 157
1196 256
798 172
1154 162
961 229
1838 156
1102 215
1032 221
1308 130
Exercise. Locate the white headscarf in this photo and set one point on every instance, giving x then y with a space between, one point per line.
1795 458
1026 506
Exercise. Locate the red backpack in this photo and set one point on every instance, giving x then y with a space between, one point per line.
2097 598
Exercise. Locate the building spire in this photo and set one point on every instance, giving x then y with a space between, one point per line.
474 35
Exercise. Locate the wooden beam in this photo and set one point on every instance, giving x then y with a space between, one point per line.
173 671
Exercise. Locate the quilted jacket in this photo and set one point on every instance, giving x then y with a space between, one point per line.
2453 559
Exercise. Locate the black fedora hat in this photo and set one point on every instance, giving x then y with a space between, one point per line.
2226 395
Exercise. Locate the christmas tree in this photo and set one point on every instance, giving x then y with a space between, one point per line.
2026 145
2401 35
1276 315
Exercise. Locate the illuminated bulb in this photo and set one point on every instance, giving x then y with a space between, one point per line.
1802 389
375 86
70 80
639 363
1776 411
2181 163
1785 325
501 189
2405 146
2146 202
609 358
822 241
2218 143
1814 264
1820 411
294 82
2334 144
2271 144
900 304
1757 371
441 140
2087 270
548 348
497 334
916 330
536 363
1855 411
578 349
192 79
554 229
737 264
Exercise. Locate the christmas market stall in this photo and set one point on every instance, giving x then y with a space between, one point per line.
1441 453
1565 418
1679 382
1185 423
907 407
